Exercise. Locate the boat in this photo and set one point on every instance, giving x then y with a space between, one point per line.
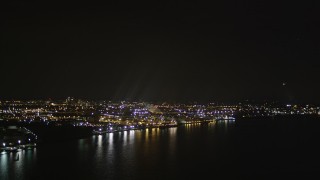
11 149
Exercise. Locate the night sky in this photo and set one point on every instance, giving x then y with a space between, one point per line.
177 51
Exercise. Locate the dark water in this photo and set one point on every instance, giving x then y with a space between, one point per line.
257 149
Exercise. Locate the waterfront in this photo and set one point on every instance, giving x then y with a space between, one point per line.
224 150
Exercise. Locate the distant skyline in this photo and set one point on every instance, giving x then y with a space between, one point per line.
161 51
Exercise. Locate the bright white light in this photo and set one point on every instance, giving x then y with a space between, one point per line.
4 144
19 141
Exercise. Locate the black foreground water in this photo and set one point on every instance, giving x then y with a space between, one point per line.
255 149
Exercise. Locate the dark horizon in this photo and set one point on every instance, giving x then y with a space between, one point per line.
161 51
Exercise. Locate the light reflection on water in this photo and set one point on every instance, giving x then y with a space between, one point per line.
15 165
219 150
4 165
115 153
172 140
119 155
